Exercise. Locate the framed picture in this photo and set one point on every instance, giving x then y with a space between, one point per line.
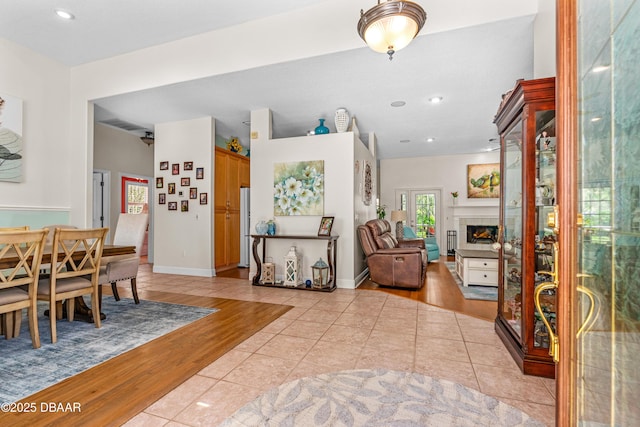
193 193
188 166
325 226
175 169
171 187
173 206
164 166
203 198
483 181
159 182
199 173
185 182
184 206
162 198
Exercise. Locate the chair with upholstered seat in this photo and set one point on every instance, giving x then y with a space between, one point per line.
391 262
130 231
18 283
430 243
75 265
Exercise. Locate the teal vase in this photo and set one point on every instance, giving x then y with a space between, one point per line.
321 129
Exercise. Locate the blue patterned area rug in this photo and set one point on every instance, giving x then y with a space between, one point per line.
377 397
486 293
25 370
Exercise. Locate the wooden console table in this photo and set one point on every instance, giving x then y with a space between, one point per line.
331 259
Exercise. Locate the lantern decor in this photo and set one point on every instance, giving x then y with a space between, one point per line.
292 268
320 273
268 273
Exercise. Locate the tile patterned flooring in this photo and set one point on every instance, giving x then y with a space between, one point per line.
345 329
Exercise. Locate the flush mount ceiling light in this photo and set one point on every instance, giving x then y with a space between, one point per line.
64 14
398 104
435 100
390 26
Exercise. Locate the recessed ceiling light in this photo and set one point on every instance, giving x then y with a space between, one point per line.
404 141
431 139
435 100
64 14
600 68
398 104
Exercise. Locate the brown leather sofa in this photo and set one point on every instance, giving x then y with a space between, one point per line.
394 263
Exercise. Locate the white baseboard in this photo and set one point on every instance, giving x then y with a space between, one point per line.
200 272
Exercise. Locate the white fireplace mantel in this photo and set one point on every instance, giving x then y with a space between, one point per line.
464 215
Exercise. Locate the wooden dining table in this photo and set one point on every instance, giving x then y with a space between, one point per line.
82 311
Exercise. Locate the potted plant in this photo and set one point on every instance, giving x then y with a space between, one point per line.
381 212
454 194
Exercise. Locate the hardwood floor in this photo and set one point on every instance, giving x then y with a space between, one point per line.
111 393
441 290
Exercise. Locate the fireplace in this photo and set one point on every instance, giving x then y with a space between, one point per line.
482 234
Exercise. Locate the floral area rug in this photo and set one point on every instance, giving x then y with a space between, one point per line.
25 370
486 293
376 397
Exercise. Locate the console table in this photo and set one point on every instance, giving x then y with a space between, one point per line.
331 259
477 267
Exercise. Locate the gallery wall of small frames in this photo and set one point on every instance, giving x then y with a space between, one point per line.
179 186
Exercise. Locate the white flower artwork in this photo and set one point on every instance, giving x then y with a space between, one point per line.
298 188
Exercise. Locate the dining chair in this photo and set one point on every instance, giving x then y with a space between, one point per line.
19 282
75 265
45 268
19 228
130 231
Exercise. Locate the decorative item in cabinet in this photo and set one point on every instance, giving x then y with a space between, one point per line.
526 124
342 120
321 129
320 274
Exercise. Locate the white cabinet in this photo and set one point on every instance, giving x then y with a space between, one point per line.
477 267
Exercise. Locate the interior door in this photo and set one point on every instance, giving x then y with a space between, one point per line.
599 322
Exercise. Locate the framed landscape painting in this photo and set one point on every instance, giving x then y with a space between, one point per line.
483 181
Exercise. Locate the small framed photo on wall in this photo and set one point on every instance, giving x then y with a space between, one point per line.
193 193
159 182
173 206
188 166
185 182
171 187
162 198
199 173
184 205
203 198
164 166
175 169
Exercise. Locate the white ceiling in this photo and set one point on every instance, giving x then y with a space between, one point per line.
469 67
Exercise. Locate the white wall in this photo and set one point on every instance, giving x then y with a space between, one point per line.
122 153
337 151
544 40
184 240
448 173
44 87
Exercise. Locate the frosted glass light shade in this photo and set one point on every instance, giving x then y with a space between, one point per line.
391 25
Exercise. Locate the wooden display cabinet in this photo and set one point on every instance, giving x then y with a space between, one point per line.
526 124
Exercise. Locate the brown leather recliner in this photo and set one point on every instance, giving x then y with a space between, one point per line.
401 264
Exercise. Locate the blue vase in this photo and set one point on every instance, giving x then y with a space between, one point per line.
321 129
271 228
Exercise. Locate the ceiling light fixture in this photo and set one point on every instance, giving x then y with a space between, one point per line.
398 104
431 139
435 100
405 141
148 138
390 26
64 14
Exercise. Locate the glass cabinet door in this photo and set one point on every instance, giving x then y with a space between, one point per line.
512 228
545 196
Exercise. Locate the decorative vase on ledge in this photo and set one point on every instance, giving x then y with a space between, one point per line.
342 120
321 129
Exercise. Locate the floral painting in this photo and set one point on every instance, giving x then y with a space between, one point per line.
298 188
10 139
483 181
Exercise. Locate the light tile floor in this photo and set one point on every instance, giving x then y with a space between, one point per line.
345 329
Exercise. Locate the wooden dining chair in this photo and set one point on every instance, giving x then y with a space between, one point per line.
20 228
19 282
75 264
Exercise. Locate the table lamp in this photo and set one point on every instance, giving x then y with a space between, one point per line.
399 217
